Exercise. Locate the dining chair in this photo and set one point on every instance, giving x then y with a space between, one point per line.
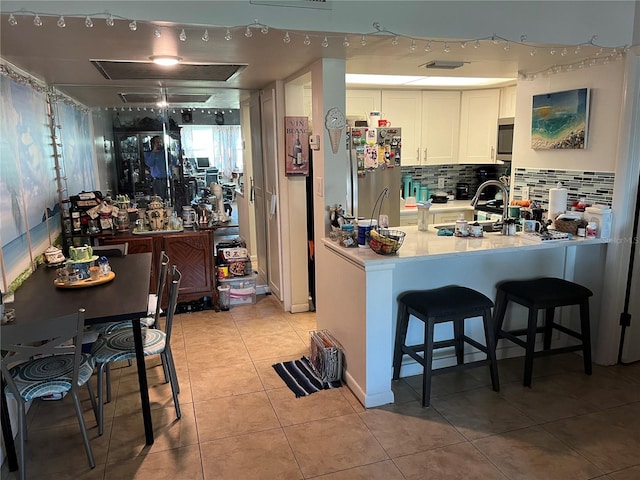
154 298
45 358
115 250
153 313
118 345
150 321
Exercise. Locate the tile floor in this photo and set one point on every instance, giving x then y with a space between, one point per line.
239 421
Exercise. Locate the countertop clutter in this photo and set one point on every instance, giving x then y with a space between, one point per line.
424 245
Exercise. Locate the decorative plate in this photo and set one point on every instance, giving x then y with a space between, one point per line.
92 259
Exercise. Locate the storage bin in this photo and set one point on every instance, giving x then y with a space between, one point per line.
242 289
326 356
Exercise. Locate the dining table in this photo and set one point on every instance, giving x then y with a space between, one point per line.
124 298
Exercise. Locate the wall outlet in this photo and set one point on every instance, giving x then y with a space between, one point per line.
526 193
440 182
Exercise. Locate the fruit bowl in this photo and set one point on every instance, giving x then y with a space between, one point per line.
386 242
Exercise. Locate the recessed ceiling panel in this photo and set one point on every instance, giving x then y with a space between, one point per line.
157 97
126 70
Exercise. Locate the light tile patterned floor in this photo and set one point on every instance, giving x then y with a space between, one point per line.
239 421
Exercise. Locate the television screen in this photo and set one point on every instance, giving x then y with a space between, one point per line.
203 162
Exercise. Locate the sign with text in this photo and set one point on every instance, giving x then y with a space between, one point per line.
296 145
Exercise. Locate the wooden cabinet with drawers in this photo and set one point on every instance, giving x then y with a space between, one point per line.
190 252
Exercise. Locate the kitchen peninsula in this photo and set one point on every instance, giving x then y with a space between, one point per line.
366 286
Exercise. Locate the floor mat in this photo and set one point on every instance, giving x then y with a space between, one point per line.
301 379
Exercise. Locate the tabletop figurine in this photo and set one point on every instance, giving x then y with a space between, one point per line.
156 214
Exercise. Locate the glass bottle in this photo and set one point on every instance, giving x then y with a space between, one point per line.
297 152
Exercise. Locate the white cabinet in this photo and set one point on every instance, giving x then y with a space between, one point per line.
440 127
360 102
479 125
403 108
508 102
430 123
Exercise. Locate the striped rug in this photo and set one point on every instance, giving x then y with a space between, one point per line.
300 377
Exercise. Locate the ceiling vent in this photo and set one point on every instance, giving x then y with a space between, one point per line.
157 97
319 4
443 64
126 70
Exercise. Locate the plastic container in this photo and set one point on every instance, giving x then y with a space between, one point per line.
602 216
224 297
242 290
423 216
348 236
364 226
462 227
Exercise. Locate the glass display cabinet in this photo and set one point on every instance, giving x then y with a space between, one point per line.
133 175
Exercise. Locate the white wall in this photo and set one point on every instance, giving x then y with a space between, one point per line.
613 87
606 84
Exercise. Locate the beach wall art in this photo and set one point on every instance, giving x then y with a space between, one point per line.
560 120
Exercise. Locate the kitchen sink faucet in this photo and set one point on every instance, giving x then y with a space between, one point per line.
505 198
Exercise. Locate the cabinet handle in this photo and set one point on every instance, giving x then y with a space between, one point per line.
492 152
418 154
425 154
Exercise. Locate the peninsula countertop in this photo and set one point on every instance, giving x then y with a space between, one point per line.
419 245
440 207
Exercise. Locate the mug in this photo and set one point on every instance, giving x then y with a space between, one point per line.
384 123
514 211
475 230
531 226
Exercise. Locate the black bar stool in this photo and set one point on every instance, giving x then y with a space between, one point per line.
446 304
544 294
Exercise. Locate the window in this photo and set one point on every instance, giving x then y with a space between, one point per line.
222 144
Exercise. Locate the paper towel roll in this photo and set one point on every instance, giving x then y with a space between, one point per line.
557 201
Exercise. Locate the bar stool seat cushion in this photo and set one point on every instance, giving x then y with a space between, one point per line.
546 291
445 302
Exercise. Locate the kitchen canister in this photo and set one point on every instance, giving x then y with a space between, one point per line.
557 200
364 226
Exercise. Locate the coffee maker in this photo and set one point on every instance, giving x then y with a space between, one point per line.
484 173
462 191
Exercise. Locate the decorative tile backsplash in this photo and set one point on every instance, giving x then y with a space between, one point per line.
596 187
452 174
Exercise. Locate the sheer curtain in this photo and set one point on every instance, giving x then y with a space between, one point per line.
222 144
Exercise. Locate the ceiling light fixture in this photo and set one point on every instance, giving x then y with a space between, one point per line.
165 60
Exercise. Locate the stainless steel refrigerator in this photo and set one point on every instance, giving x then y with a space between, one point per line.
374 164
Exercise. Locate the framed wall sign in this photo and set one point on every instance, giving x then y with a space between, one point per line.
296 145
560 120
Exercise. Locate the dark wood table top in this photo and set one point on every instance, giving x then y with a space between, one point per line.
124 298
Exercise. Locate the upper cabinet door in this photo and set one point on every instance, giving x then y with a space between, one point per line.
508 102
360 103
440 127
403 108
479 125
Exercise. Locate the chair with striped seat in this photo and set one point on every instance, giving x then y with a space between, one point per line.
42 359
118 345
155 301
